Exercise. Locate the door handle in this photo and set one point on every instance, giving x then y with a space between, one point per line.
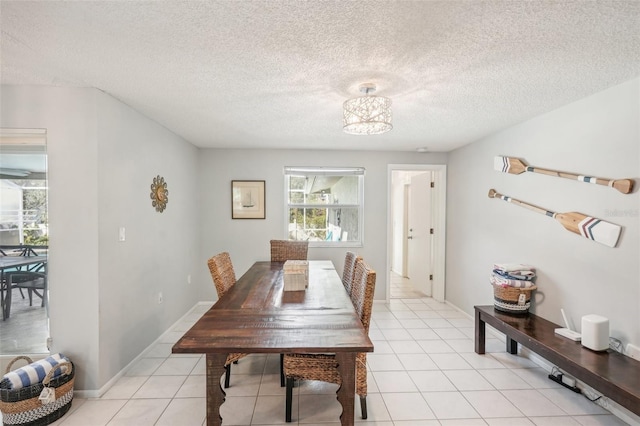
409 237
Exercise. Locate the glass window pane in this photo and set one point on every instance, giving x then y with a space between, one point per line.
325 190
343 224
296 197
307 224
330 221
318 198
316 218
297 182
345 190
331 224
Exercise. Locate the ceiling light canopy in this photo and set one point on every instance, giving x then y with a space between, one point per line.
367 115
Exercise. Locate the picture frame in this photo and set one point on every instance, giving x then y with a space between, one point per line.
247 199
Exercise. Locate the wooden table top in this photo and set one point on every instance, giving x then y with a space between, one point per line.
257 316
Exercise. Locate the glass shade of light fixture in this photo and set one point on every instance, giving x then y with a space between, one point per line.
367 115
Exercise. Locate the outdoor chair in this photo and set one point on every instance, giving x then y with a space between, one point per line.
224 278
28 280
324 367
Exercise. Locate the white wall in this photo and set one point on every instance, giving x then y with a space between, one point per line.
597 136
160 248
102 157
69 116
247 241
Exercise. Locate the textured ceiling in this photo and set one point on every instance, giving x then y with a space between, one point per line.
274 74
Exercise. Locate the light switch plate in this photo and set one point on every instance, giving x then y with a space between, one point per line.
121 234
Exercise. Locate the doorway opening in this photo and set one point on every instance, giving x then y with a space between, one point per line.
416 231
24 242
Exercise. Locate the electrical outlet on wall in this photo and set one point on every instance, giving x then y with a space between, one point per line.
633 351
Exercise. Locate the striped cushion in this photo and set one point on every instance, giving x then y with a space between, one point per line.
32 373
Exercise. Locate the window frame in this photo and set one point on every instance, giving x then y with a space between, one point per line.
327 171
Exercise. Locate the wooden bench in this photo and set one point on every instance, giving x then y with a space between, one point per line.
614 375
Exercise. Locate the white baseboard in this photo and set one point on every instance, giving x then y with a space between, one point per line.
609 405
97 393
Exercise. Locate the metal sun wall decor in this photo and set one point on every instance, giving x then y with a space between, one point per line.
159 194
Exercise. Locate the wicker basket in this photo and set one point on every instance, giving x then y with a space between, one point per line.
512 300
23 406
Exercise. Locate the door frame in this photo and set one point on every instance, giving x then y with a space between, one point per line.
439 224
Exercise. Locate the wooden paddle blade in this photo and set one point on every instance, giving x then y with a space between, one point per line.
623 185
590 227
511 165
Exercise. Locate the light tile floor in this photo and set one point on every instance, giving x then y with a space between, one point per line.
423 372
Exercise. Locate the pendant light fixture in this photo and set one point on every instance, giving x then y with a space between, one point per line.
367 115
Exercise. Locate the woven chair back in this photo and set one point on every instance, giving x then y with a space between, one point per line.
222 272
350 260
362 290
283 250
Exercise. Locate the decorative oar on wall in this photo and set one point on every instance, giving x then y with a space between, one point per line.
515 166
589 227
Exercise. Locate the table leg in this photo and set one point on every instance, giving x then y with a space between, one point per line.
347 391
480 334
215 393
512 346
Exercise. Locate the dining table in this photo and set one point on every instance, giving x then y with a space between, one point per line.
16 263
256 315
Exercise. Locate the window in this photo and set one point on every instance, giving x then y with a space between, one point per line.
324 205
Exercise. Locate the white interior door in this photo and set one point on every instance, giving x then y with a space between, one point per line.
419 235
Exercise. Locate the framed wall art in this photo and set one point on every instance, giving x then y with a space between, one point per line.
247 199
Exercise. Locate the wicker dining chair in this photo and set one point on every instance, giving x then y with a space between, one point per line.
224 278
350 260
324 367
283 250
